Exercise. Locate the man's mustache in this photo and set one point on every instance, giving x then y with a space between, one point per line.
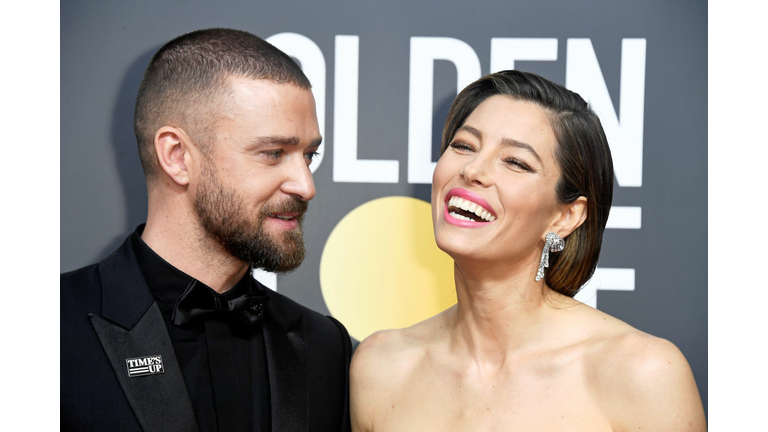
293 204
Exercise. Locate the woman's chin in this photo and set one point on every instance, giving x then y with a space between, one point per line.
461 251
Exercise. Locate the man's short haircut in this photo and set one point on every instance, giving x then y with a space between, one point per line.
187 79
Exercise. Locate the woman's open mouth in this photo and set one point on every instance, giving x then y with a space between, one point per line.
465 208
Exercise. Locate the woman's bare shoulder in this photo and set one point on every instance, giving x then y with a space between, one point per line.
381 348
643 381
617 348
396 350
382 364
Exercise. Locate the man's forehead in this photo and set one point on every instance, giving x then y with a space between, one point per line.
264 112
247 86
268 97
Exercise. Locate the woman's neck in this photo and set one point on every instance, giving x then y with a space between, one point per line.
500 311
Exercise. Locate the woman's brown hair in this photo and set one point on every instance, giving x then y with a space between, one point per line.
582 154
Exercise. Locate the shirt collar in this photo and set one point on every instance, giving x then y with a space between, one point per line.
166 282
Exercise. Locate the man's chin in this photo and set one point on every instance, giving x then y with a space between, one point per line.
282 267
285 243
283 257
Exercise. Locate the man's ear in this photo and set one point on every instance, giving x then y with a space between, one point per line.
173 147
571 217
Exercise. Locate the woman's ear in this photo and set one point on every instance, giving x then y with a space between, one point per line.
571 217
173 146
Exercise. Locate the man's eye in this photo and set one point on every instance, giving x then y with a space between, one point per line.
312 155
274 154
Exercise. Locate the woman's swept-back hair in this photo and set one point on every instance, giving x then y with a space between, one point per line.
582 154
186 83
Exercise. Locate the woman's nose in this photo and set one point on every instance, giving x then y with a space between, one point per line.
476 170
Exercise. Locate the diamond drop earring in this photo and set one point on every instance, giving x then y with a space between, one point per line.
552 243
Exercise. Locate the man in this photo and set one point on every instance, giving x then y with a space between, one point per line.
171 332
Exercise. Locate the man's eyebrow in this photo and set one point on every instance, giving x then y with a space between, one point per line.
283 140
276 139
505 141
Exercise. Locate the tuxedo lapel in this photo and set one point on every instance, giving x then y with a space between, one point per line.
160 400
287 365
131 326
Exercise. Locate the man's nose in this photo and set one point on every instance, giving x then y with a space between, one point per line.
299 182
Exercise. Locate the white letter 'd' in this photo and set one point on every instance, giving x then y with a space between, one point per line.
424 51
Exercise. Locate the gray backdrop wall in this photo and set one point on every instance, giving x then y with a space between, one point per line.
384 74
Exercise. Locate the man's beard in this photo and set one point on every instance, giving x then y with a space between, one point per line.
226 219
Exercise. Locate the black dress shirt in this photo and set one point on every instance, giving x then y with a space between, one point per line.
225 370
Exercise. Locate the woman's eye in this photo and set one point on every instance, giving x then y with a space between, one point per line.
461 146
518 164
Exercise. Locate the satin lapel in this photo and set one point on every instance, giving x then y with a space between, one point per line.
287 365
159 401
131 326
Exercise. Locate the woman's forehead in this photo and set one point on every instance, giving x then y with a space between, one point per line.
505 118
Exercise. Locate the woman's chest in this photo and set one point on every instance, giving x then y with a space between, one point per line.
528 399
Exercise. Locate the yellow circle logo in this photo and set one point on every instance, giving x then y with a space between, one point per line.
381 268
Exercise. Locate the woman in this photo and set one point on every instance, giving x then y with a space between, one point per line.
520 199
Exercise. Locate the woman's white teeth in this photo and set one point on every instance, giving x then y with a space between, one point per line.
460 217
469 206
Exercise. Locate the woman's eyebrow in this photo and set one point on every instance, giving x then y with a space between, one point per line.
519 144
510 142
471 130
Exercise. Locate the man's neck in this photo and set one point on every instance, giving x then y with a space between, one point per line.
194 253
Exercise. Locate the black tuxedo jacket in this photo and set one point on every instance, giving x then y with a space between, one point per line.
108 315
